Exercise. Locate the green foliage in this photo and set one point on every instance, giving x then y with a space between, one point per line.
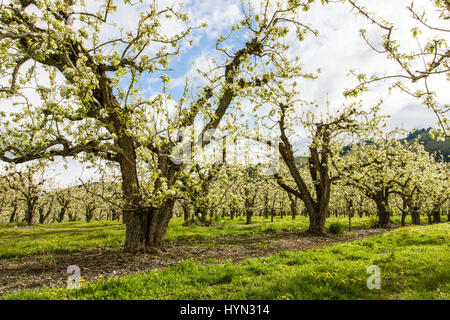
439 149
336 228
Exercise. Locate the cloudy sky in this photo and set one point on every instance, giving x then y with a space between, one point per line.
336 50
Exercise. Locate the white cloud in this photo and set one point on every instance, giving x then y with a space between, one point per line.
338 49
219 14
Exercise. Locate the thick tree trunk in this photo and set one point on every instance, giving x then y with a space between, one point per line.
403 218
13 216
415 216
158 224
266 206
29 216
29 213
186 212
249 215
318 212
383 212
62 213
350 212
89 215
317 201
436 215
293 204
383 216
317 223
249 205
43 216
349 222
272 209
406 205
136 216
360 212
136 233
146 228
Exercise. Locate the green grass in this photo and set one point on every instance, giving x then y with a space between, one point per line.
17 240
16 229
20 241
414 263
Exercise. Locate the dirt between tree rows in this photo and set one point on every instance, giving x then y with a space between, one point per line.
46 233
51 270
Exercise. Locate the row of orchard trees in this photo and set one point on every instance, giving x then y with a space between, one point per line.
389 177
375 178
26 197
74 77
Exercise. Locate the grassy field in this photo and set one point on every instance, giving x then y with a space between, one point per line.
17 240
414 263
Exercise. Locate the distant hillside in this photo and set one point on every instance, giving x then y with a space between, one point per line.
439 148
